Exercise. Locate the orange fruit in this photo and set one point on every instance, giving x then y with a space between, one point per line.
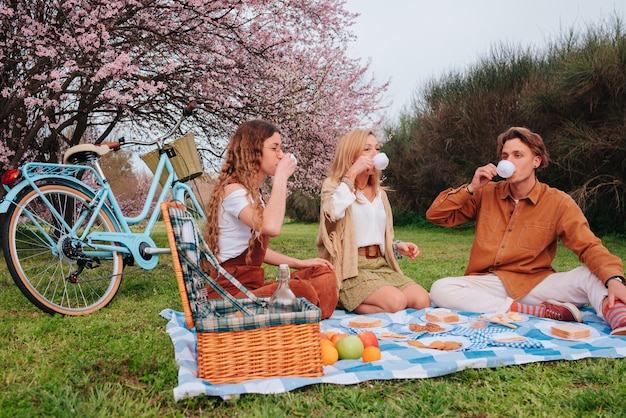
371 353
327 342
329 354
330 334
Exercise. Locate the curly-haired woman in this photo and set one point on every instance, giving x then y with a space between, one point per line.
240 223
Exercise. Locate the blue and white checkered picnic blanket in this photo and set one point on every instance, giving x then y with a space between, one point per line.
399 359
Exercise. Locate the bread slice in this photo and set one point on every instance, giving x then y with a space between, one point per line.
570 331
365 323
392 336
441 315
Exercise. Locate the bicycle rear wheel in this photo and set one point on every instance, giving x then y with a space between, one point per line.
42 254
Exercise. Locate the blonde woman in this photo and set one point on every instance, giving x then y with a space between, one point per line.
356 233
240 223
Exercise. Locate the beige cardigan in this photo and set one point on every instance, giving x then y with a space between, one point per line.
336 239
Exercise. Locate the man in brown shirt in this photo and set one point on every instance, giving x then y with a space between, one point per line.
518 224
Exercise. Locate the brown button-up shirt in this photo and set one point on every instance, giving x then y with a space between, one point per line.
518 241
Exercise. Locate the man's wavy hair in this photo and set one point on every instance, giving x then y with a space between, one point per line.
533 140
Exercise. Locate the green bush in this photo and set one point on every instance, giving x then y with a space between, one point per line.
573 93
303 208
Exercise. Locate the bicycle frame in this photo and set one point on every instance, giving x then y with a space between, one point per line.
138 244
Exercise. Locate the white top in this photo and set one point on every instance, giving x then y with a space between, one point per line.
369 217
234 234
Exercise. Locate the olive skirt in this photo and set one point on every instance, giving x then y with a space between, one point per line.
374 273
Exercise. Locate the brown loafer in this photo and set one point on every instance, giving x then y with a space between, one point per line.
620 331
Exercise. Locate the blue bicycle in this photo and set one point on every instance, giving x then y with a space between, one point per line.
65 238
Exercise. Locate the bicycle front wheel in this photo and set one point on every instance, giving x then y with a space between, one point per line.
52 267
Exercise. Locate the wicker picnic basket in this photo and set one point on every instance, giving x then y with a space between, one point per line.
183 156
238 338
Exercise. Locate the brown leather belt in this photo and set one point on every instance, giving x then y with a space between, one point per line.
371 251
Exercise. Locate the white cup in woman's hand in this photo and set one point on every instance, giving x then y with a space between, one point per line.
505 169
381 161
293 158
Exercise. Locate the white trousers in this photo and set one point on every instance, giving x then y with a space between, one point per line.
487 294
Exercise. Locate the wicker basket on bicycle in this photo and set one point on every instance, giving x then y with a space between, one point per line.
183 155
238 339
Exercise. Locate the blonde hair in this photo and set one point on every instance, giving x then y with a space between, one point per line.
241 165
349 148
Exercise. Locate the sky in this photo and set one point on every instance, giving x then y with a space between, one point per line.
411 42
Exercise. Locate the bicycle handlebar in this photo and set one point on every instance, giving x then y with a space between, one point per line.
188 111
115 146
190 108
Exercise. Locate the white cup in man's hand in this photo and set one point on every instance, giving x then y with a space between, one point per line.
293 158
381 161
505 169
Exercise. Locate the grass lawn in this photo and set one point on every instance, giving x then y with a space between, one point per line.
119 361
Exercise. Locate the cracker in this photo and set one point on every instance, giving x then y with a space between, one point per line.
428 327
451 345
437 345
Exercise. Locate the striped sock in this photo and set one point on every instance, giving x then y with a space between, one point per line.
616 316
535 310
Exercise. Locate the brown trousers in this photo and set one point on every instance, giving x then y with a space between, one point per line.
317 284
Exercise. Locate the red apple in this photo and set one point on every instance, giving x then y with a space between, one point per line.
323 336
368 338
337 337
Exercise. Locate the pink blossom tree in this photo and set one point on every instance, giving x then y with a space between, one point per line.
69 66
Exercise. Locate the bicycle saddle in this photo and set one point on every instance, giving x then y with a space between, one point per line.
84 153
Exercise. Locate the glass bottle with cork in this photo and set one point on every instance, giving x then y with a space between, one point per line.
283 299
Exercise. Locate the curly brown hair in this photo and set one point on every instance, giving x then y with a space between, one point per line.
241 165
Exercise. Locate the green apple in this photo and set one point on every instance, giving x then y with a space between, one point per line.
350 347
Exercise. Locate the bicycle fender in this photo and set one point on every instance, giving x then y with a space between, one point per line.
12 195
